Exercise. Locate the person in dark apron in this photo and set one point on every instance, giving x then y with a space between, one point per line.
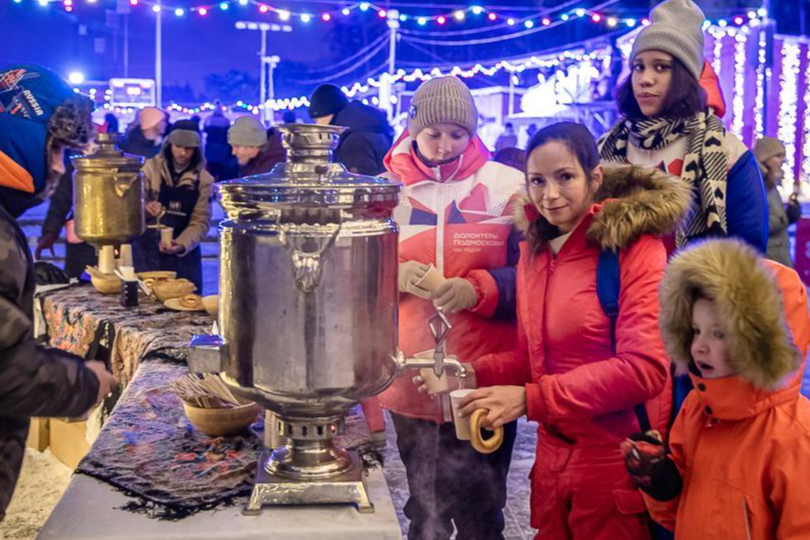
179 196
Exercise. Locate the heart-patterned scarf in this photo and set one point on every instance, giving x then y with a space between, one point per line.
705 165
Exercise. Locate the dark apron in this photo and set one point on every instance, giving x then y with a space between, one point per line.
179 203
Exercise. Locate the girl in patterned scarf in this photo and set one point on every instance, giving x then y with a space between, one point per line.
668 121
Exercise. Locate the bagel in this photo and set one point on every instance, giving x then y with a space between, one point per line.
191 301
484 446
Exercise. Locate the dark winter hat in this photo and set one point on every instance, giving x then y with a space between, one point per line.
676 28
184 133
247 131
38 109
325 100
442 100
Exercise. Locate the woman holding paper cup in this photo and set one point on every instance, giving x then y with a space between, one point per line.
457 252
581 382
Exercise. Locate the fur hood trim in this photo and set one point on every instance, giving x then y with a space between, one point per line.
635 201
749 304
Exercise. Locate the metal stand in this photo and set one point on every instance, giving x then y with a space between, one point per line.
302 465
347 487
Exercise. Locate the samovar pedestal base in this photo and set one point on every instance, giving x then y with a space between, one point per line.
348 487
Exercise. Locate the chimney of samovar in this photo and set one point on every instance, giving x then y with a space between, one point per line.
108 195
308 312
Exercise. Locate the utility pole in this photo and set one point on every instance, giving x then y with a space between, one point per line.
126 45
265 62
387 80
158 56
262 77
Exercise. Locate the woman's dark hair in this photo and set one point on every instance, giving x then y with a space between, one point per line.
576 137
685 97
581 143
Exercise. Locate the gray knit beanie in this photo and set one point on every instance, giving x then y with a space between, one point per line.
768 147
442 100
185 138
676 28
247 131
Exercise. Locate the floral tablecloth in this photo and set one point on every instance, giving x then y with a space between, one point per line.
78 317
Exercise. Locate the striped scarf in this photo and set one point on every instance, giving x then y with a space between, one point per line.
705 165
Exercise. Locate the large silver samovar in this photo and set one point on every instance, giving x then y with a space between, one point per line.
308 312
108 195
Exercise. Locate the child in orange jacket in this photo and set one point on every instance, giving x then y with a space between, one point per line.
739 459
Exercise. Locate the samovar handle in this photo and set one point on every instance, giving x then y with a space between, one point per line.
123 182
308 265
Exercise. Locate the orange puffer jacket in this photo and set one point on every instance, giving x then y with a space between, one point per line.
741 443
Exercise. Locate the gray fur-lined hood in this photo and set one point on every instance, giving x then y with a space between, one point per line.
749 303
636 201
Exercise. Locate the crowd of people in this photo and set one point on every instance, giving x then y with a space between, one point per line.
633 295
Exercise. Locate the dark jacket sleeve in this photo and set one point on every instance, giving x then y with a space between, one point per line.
358 154
61 203
34 381
506 279
746 204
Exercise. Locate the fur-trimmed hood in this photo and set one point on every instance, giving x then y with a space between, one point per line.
634 201
749 304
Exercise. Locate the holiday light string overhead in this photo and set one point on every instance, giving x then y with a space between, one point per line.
490 14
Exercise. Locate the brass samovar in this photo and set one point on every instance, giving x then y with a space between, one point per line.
108 195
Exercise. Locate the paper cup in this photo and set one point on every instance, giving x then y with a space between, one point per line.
431 281
125 256
462 422
166 236
106 260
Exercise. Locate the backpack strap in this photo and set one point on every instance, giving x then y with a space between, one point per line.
608 286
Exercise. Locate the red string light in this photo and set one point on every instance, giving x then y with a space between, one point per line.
492 16
326 17
441 20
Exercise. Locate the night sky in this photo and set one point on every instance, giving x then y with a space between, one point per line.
195 47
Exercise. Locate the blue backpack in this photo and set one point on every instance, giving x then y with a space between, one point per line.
608 286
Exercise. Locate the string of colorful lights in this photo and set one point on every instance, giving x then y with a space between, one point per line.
489 14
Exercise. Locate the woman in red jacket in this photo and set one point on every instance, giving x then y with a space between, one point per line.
567 372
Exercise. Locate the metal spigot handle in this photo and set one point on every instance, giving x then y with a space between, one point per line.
439 327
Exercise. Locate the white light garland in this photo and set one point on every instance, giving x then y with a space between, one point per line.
759 120
738 102
788 106
805 176
717 52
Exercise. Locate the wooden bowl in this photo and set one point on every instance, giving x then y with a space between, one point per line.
211 304
166 289
109 284
222 422
157 275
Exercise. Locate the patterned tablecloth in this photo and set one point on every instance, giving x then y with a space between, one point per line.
79 318
147 448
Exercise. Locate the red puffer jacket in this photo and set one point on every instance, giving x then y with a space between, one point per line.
580 391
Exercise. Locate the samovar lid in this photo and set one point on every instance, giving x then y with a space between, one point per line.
308 178
108 157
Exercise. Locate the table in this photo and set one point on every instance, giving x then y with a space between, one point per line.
142 345
87 511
